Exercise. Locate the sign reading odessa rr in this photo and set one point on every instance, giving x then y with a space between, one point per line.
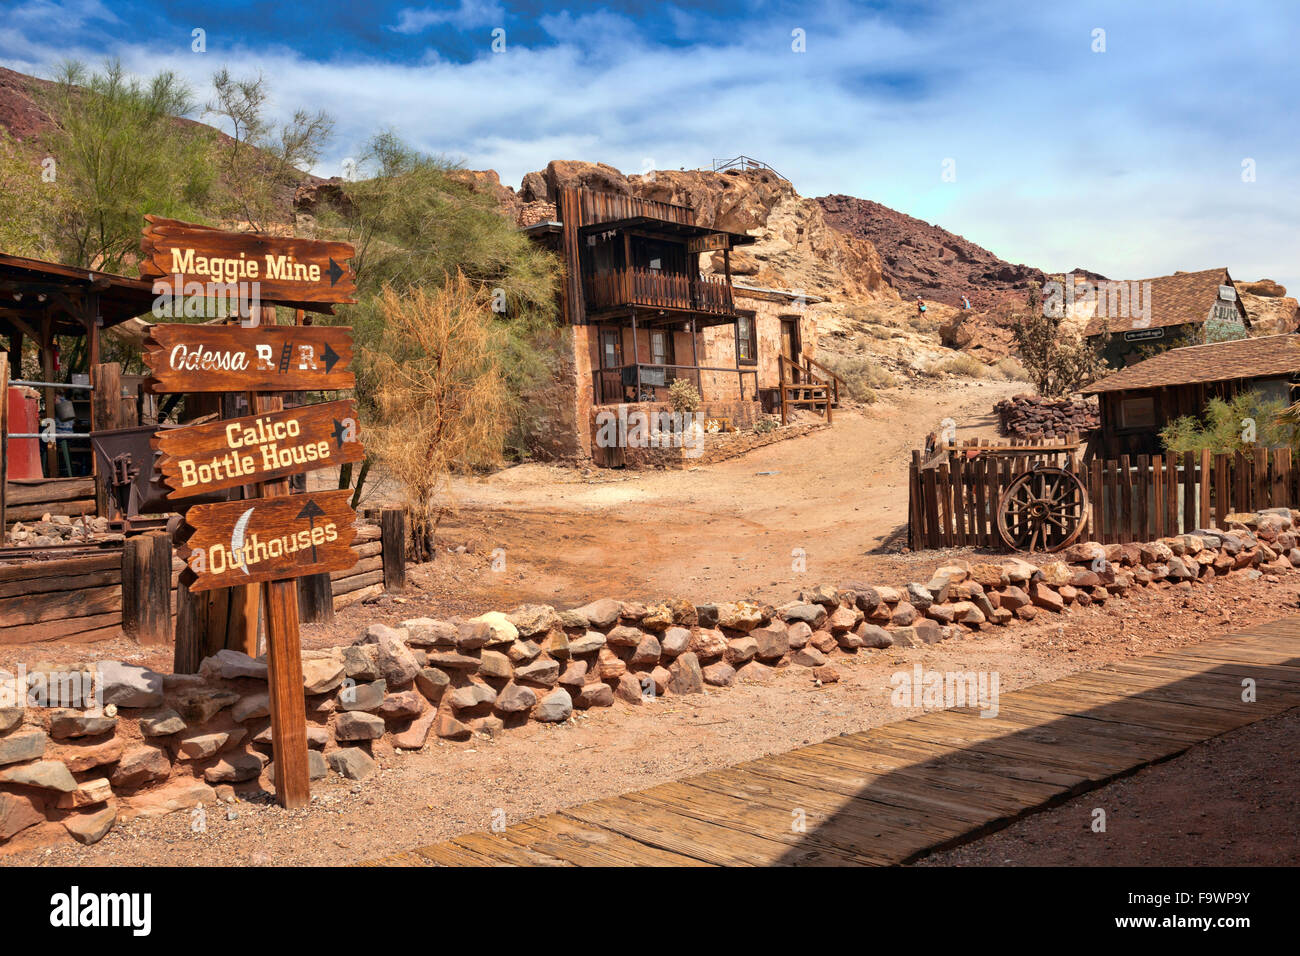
239 451
263 358
265 539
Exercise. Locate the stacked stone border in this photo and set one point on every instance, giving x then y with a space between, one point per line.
167 742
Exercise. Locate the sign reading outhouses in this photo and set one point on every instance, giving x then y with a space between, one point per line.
271 537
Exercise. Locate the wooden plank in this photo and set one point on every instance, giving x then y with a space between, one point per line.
1222 493
231 358
933 536
1171 493
105 625
1125 499
1189 491
1142 499
393 548
1204 515
1097 498
944 481
586 845
1157 496
36 608
1260 489
4 433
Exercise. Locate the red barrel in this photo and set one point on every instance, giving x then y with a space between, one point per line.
24 418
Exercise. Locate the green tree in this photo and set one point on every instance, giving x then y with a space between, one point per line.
1247 421
121 151
26 196
1057 362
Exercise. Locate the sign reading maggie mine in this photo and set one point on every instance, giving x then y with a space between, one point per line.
198 459
231 358
290 271
263 539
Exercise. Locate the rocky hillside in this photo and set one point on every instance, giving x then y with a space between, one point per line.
926 260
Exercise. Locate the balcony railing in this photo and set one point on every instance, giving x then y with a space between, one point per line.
649 383
658 290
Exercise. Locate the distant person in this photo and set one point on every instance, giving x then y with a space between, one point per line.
920 306
965 302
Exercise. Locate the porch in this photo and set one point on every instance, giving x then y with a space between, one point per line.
645 382
656 289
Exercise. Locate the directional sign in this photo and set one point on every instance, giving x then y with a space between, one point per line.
199 459
290 271
264 539
265 358
1144 335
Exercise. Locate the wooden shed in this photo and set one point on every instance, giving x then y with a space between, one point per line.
1138 401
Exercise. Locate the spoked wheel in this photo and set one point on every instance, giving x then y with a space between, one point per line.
1043 510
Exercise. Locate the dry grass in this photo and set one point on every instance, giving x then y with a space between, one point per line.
966 366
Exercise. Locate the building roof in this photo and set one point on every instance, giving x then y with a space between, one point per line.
29 288
1264 357
1175 300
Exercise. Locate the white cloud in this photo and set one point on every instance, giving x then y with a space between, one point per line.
467 15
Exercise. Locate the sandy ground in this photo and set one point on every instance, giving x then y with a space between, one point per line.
452 788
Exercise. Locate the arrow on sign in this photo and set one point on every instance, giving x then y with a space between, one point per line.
330 357
311 511
334 272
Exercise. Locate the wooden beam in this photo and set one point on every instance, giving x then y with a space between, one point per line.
4 438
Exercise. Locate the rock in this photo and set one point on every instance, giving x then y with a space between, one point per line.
18 812
823 594
235 767
739 651
401 706
352 763
179 794
557 645
687 678
472 695
10 717
740 616
397 665
316 767
515 699
609 666
521 652
450 660
826 674
904 614
660 678
706 615
356 725
488 726
675 640
574 676
449 728
125 685
813 615
23 746
874 636
721 674
657 618
848 640
359 662
87 794
919 596
755 672
83 758
588 643
808 657
416 732
772 642
230 664
543 671
600 614
88 828
364 697
322 675
555 707
500 630
473 635
928 632
595 694
648 650
842 619
708 643
496 665
141 765
198 705
428 632
1084 552
46 774
624 636
203 746
1045 597
965 612
629 688
530 620
824 641
798 634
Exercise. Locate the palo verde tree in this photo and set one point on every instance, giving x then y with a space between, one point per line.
120 150
1057 362
441 401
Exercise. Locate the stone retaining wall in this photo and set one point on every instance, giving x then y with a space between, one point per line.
169 741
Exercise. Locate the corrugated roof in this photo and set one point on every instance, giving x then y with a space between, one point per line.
1175 300
1263 357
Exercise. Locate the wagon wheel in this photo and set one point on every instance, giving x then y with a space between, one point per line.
1042 510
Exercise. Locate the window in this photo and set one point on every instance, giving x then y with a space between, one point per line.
660 347
611 349
1137 413
746 339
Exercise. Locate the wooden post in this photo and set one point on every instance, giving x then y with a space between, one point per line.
47 375
315 598
146 588
105 413
392 523
191 628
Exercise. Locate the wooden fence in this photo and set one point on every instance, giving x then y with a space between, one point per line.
953 498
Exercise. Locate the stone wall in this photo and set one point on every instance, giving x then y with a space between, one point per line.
168 742
1031 416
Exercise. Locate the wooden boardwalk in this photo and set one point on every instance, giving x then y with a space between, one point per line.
895 792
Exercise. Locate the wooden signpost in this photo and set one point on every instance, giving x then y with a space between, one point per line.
241 451
303 273
271 537
232 358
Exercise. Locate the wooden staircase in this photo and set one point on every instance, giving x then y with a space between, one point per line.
808 385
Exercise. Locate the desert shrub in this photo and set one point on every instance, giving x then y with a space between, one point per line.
683 396
441 404
1058 363
965 365
861 374
1009 369
1249 420
765 425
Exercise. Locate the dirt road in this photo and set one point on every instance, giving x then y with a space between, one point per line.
798 512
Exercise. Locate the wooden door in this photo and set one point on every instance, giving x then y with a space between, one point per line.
790 346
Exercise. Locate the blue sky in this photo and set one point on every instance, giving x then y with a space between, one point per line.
1128 161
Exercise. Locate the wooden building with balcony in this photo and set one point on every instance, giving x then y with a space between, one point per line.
644 315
